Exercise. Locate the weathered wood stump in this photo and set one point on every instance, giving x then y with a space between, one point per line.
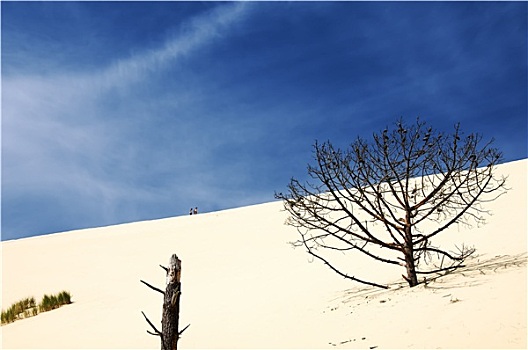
171 306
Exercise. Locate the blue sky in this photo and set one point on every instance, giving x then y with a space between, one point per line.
125 111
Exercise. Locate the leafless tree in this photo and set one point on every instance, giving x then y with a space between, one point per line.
382 198
169 334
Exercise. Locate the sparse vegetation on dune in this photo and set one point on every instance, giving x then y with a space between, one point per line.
28 307
54 301
21 309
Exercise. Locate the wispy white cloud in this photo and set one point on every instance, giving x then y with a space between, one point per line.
193 35
60 139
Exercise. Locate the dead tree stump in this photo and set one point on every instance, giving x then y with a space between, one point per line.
171 306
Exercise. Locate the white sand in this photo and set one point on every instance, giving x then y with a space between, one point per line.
244 286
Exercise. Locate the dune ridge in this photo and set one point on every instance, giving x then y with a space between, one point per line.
245 287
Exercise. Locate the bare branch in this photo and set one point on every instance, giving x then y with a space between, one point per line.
183 330
152 325
310 251
152 287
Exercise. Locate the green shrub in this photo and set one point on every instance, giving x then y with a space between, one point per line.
64 298
9 315
28 307
50 302
18 307
45 304
54 302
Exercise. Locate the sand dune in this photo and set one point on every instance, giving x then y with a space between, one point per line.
244 286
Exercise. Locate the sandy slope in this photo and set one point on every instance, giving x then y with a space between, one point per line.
245 287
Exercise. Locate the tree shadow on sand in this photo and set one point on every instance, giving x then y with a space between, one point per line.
474 267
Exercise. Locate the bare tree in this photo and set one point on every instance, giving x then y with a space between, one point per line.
375 198
171 306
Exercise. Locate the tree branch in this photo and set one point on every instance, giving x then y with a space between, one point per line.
152 287
183 330
341 273
152 325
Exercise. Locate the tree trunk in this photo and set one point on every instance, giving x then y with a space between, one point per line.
408 252
171 306
411 278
